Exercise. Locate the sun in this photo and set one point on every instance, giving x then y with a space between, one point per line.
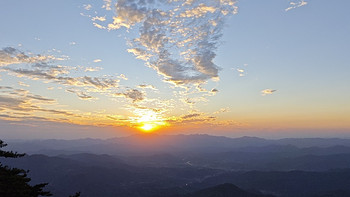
148 120
148 127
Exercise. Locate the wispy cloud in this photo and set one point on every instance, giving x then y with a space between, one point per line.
295 4
222 110
194 118
53 75
23 84
144 86
98 18
87 6
21 103
97 60
10 55
107 4
91 69
82 95
99 26
122 76
267 92
189 116
42 67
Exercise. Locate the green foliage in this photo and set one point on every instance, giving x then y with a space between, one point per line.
14 182
7 154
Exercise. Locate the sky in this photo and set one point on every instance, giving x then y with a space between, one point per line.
101 69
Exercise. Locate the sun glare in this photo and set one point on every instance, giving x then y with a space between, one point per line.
148 127
148 120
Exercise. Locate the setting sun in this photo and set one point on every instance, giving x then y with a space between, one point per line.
148 127
148 120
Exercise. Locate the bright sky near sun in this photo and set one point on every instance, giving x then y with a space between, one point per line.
107 68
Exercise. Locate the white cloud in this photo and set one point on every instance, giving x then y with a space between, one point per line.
107 4
293 5
99 18
87 6
97 60
122 76
99 26
267 92
144 86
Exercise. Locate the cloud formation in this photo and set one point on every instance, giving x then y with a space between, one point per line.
40 67
10 55
21 104
178 39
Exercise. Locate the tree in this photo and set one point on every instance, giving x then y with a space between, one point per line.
14 182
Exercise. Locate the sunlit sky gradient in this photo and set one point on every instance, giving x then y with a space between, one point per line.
277 68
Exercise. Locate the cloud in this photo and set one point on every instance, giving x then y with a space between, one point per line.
194 118
40 67
10 55
140 54
80 94
144 86
92 69
190 116
178 39
107 4
23 84
267 92
51 74
293 5
241 72
22 101
122 76
214 90
87 6
198 11
133 94
97 60
72 43
21 105
98 18
222 110
99 26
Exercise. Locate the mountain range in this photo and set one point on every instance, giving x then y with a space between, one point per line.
188 165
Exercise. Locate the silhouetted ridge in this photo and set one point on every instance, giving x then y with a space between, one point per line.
225 190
